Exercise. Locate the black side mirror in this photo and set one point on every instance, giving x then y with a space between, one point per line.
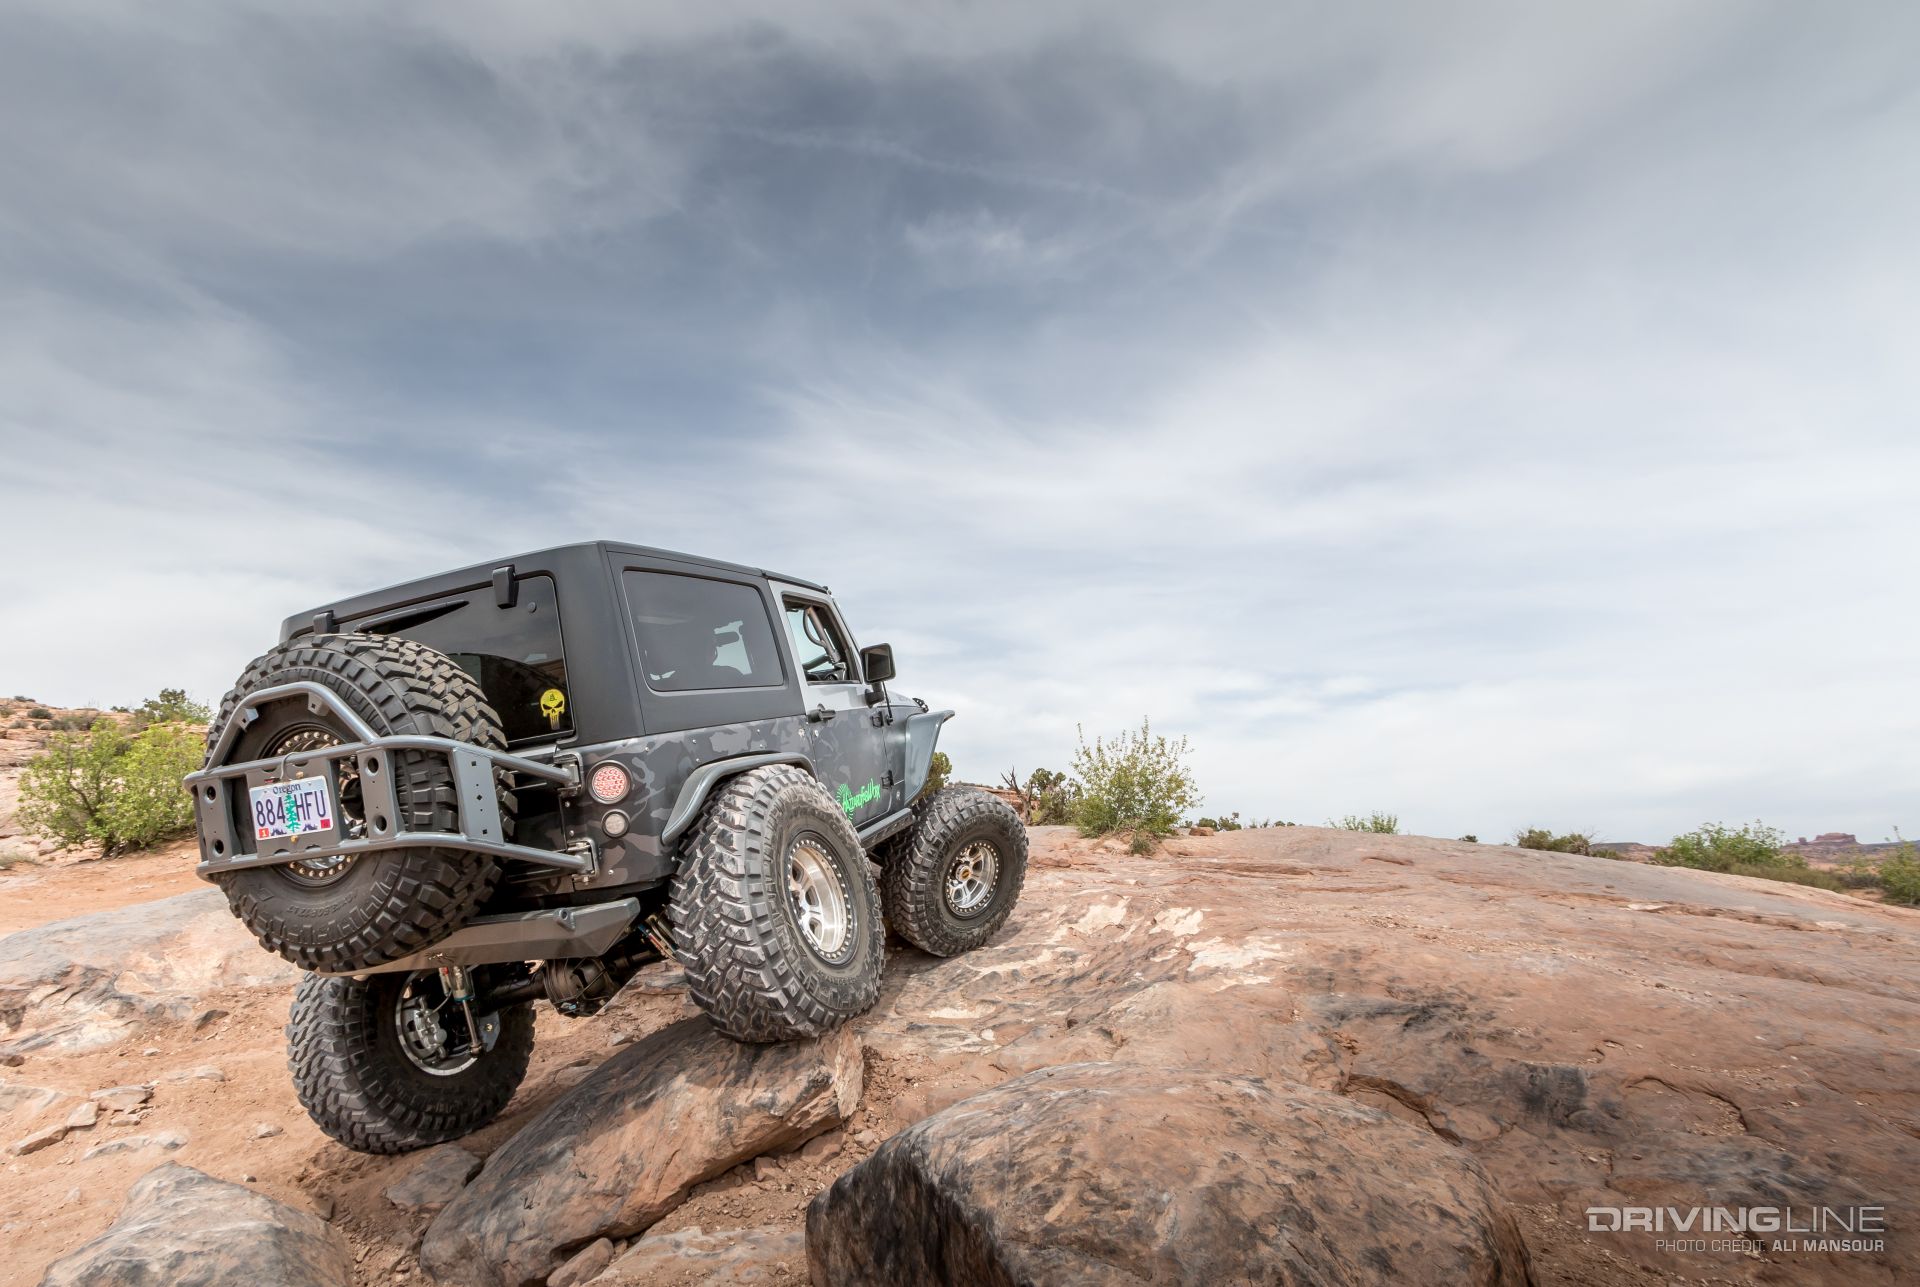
877 661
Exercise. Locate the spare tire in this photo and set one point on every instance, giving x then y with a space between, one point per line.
343 914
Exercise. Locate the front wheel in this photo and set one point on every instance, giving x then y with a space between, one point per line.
953 883
389 1063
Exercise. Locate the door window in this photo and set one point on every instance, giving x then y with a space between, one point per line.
818 647
695 632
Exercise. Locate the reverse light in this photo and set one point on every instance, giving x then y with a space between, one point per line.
614 824
609 784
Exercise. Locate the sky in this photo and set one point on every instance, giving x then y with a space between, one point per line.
1499 415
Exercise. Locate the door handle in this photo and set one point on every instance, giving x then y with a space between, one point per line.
819 713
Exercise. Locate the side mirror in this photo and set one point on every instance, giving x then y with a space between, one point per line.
877 661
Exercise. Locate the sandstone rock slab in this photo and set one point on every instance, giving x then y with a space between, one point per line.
185 1228
434 1179
1118 1173
86 982
615 1153
698 1258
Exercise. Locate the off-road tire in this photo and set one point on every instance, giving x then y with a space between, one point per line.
913 882
748 966
343 1047
390 903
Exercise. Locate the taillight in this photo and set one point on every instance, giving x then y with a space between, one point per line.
609 784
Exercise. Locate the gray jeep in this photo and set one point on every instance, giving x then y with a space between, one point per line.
526 779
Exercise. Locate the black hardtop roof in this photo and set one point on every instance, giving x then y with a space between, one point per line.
448 582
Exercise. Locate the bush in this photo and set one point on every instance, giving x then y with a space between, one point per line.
39 712
1715 847
1900 875
1385 824
173 704
1573 842
938 771
1228 822
1470 839
1138 782
110 789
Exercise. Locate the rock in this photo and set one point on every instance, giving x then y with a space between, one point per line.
205 1072
267 1130
1041 1180
822 1147
693 1258
83 1116
26 1100
586 1263
620 1150
1199 831
122 1099
83 983
45 1137
181 1226
766 1168
167 1141
435 1178
206 1017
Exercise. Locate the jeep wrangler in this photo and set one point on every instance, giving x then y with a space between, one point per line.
524 780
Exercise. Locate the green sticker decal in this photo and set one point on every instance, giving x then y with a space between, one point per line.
851 800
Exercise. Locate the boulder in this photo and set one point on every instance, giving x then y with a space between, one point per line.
1118 1173
435 1178
696 1258
86 982
184 1228
620 1150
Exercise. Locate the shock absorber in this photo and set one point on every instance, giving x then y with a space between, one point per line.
457 982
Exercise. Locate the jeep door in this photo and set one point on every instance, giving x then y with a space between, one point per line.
853 742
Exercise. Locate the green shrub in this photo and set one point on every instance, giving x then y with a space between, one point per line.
173 704
1053 798
1470 838
1900 876
39 712
105 787
1573 842
1385 824
1138 782
1715 847
1228 822
938 771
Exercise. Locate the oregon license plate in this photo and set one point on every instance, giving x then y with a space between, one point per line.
292 808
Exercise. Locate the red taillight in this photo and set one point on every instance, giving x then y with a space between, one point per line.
609 784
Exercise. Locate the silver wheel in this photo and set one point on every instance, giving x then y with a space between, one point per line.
433 1031
818 899
970 879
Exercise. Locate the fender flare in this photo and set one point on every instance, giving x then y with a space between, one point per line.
701 782
923 734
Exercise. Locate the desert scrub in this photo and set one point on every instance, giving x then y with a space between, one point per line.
109 788
1900 875
1382 824
1138 782
938 771
172 706
1717 847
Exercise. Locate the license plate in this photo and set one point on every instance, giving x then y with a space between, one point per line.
292 808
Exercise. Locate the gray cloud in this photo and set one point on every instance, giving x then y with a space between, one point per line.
1503 417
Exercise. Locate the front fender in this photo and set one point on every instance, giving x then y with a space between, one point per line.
923 731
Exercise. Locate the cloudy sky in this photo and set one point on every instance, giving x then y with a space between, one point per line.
1501 415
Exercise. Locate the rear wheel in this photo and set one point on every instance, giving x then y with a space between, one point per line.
774 910
351 913
952 882
390 1062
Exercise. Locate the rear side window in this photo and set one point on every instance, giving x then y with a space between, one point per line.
695 632
515 653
